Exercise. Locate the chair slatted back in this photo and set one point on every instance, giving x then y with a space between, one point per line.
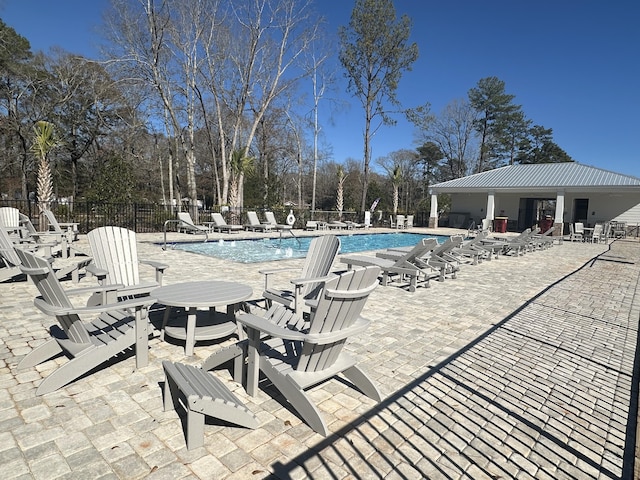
115 250
52 295
10 218
218 219
7 251
340 304
271 218
185 217
319 260
53 222
399 221
448 245
409 221
418 251
253 219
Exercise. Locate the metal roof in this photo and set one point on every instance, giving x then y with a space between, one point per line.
540 176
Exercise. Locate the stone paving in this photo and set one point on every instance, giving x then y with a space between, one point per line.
522 367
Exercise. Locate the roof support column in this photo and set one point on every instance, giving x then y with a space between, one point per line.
433 216
491 206
558 222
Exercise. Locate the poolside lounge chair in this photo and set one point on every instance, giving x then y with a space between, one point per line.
311 225
296 360
517 245
351 225
543 240
221 225
403 267
472 249
185 222
87 343
439 258
337 224
254 223
115 262
11 261
317 264
271 220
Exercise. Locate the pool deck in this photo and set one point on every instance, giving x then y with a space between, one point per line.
522 367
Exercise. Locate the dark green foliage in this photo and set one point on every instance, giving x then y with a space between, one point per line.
539 147
114 182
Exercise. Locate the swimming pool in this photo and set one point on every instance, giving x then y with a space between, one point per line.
270 249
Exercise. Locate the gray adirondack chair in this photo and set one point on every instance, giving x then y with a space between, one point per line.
295 360
70 229
318 262
115 261
58 240
88 344
61 267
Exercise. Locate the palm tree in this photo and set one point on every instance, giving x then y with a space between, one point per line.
239 165
340 194
44 140
396 180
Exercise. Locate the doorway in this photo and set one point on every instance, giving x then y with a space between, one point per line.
581 210
533 210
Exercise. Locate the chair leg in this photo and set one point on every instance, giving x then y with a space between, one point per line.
71 370
362 381
44 352
195 429
297 398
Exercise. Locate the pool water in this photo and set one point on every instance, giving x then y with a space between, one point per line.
270 249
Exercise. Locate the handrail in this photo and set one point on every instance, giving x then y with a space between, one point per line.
164 228
292 234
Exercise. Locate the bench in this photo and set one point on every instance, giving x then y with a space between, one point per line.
201 393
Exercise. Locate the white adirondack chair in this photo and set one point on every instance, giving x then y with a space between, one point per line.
115 261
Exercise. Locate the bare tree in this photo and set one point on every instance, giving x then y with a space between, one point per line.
453 132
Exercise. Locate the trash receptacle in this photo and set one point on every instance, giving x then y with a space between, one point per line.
500 224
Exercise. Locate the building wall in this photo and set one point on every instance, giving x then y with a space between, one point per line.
603 207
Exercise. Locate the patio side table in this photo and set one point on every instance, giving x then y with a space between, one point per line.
202 294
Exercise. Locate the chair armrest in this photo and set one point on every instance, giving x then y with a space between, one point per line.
141 302
99 273
277 270
360 325
267 326
159 267
154 264
305 281
269 272
95 289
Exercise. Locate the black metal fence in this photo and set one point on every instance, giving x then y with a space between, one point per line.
148 218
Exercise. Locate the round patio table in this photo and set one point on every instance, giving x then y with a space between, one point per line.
202 294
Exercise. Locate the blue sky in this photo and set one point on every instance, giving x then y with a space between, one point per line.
572 64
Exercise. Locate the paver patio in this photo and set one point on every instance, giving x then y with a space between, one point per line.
519 368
